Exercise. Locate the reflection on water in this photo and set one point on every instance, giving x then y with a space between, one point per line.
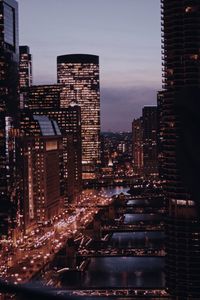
133 202
120 272
110 191
132 218
124 272
137 239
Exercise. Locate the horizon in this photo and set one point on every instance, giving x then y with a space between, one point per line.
130 60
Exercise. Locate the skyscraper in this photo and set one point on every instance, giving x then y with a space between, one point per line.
9 56
39 158
43 96
25 73
69 122
150 153
45 100
137 135
9 105
180 119
79 75
161 125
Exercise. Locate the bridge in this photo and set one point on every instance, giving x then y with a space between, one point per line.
143 210
114 252
122 292
130 228
149 196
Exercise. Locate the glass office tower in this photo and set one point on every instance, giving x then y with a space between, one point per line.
79 75
9 105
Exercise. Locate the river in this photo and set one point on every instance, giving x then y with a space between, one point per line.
127 272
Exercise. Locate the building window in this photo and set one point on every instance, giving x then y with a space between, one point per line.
190 9
194 56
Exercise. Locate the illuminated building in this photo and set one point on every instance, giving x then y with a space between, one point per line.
150 153
9 105
40 158
137 134
9 57
180 106
43 96
69 122
79 75
25 73
160 141
45 100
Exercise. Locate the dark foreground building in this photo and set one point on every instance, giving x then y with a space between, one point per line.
9 106
181 146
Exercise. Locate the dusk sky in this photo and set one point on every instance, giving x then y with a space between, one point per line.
124 33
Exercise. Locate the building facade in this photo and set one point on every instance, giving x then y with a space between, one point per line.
69 122
9 106
137 148
25 73
43 97
9 57
160 135
79 75
180 117
40 158
45 100
150 152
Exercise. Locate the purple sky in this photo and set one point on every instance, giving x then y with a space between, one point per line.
124 33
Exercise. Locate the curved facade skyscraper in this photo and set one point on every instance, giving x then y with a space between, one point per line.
79 75
180 108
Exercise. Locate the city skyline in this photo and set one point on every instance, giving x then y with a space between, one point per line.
114 214
130 72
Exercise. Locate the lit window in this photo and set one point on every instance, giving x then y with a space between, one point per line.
170 71
189 9
194 56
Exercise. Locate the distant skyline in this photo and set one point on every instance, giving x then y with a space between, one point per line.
124 33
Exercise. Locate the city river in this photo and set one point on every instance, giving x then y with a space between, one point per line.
126 272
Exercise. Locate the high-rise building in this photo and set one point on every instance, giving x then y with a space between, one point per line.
9 57
160 140
69 122
25 73
137 148
150 153
45 100
79 75
39 158
180 117
9 105
43 96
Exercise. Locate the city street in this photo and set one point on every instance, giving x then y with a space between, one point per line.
32 253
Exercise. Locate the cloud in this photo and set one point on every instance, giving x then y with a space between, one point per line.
120 106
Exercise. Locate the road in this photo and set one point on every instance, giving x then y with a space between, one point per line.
28 255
